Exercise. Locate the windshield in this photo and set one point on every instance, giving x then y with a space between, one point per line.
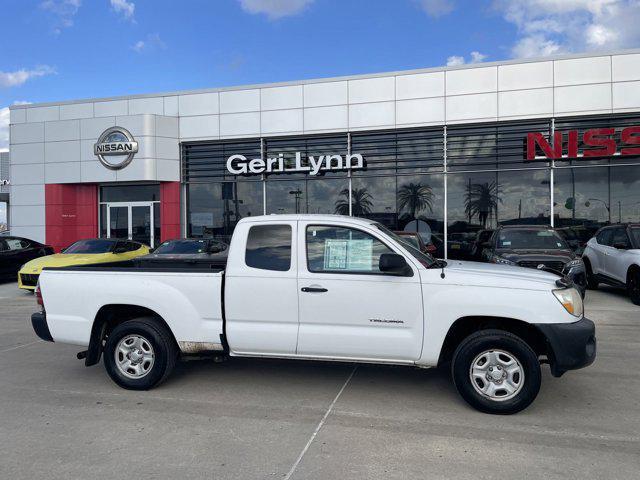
531 239
635 236
424 258
411 239
183 247
90 246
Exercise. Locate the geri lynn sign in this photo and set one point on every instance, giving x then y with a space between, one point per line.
240 165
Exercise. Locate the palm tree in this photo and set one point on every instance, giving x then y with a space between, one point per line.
361 202
415 197
481 199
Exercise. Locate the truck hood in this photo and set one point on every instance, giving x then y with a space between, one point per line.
459 272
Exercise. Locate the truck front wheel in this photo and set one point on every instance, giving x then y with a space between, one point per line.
496 372
139 354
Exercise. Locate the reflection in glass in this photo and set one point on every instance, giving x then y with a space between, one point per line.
581 197
286 197
625 194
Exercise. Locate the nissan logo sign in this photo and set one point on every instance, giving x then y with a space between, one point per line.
115 148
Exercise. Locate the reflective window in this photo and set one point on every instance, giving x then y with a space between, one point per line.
90 246
619 237
130 193
343 250
604 236
635 236
269 247
534 239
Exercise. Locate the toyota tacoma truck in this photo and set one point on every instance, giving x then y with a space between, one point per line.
324 287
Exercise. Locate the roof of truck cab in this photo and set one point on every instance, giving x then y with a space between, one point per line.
307 217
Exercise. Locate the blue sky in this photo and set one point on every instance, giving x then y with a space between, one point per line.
68 49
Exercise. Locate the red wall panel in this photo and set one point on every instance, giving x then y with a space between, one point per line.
169 210
71 213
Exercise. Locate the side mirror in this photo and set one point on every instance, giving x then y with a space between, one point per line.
620 246
394 264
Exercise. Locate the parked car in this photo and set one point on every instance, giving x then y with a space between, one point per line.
330 288
189 251
415 239
482 237
577 236
613 257
82 252
536 247
16 251
459 245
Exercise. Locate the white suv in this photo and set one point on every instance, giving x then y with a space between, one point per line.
612 256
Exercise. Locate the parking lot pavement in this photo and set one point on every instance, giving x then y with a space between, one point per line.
248 419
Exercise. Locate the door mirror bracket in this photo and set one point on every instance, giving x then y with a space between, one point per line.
394 264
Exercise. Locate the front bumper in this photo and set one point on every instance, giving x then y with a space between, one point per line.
28 281
570 345
39 323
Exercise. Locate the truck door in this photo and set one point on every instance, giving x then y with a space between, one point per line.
261 295
348 307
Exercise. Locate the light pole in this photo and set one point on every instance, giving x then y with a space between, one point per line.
606 205
298 193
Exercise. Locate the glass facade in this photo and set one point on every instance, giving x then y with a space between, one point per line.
447 184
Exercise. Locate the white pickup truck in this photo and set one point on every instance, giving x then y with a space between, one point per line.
325 288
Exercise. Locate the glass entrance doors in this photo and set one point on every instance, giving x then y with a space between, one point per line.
132 221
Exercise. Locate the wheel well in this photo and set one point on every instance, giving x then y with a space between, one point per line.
632 269
465 326
587 262
109 317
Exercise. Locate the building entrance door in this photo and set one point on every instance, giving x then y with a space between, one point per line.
131 220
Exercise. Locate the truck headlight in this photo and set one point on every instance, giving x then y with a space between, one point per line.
501 260
571 300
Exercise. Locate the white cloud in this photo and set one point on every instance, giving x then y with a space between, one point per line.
18 77
151 42
548 27
63 11
127 9
4 126
474 57
275 9
437 8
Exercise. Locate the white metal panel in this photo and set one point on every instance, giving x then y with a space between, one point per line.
420 85
198 104
32 174
25 215
76 111
625 67
43 114
138 125
280 98
240 101
525 102
525 75
62 151
27 133
171 106
94 171
168 170
22 153
138 169
472 80
326 118
421 110
17 115
203 126
372 115
166 127
236 124
92 128
625 95
32 232
281 121
62 130
472 107
325 94
167 148
153 105
111 108
65 172
583 98
578 71
372 90
27 195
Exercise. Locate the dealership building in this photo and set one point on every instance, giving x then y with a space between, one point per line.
445 151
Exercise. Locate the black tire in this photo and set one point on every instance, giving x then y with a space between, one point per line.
165 352
592 281
487 340
633 285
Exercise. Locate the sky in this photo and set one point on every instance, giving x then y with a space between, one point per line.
53 50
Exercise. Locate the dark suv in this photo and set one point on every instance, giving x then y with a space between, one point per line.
535 247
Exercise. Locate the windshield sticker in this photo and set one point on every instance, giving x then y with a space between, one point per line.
506 243
348 254
335 254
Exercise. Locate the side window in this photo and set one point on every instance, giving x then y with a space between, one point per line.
620 236
14 244
604 237
24 244
269 247
343 250
132 246
3 246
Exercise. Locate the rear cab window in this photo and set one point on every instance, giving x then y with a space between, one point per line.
269 247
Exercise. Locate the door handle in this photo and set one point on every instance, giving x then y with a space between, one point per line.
313 289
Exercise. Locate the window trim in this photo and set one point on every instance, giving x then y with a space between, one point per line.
306 252
291 246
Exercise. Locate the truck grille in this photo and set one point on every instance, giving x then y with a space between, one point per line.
29 280
553 265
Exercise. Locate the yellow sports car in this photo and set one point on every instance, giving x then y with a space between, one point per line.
82 252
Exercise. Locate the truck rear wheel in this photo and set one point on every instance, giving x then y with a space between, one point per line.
139 354
496 372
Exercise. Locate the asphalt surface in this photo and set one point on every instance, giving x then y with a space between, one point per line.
248 419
